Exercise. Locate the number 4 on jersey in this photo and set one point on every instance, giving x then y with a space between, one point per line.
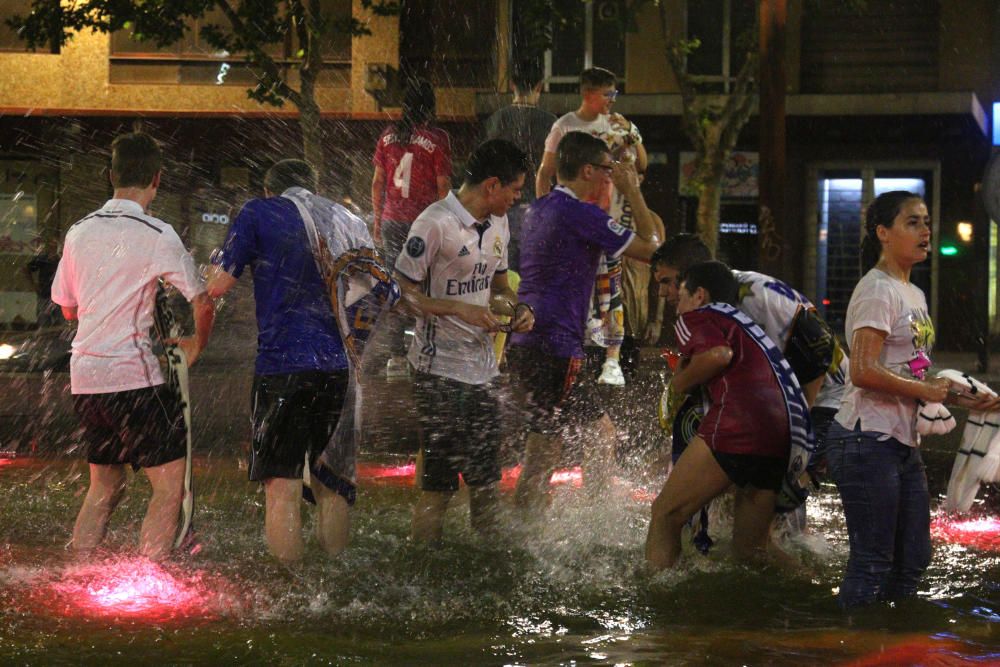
401 177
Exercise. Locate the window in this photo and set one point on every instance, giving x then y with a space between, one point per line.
841 198
449 42
726 30
192 61
593 35
9 39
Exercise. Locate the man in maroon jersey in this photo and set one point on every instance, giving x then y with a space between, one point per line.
744 438
412 171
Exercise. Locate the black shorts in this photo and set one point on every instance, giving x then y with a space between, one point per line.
143 427
291 414
461 425
761 472
554 389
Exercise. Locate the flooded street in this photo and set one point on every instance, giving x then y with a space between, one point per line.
567 590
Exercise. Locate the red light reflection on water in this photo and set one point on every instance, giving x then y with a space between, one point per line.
403 475
982 533
920 651
135 588
571 476
386 474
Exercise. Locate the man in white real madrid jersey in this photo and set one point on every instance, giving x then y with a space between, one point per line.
453 263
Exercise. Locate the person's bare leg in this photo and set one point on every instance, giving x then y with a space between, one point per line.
541 455
428 516
695 480
107 487
283 518
333 523
156 538
599 455
484 509
752 518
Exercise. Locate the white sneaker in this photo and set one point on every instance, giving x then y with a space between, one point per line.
397 368
611 373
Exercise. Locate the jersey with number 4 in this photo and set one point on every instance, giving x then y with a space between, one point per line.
411 170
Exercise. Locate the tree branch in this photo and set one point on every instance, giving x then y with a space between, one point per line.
273 82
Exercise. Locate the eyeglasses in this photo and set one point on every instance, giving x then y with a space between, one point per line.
611 95
608 168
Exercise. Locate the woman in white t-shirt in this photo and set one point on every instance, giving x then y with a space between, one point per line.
873 446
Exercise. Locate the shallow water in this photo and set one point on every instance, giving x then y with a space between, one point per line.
565 591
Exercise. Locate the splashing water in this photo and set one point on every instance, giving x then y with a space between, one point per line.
135 588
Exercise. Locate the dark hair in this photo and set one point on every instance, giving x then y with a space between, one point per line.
576 150
681 251
526 75
135 160
419 106
290 173
882 211
596 77
496 157
716 278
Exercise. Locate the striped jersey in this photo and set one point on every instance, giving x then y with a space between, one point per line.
454 256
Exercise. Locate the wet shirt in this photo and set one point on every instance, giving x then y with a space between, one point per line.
899 310
561 244
774 305
455 257
747 412
527 127
296 330
111 262
411 170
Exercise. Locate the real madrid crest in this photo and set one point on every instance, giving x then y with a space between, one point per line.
498 247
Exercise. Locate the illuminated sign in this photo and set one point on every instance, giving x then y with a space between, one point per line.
215 218
996 123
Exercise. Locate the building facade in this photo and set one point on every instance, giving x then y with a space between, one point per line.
897 95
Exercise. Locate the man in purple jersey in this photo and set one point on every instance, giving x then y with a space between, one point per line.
561 243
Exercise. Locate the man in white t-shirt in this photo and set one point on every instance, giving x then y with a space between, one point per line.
107 280
453 264
594 117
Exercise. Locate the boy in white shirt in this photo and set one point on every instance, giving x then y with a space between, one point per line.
107 280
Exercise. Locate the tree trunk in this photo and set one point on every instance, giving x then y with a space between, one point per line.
709 204
312 138
772 179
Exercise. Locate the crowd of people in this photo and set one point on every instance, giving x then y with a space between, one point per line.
548 238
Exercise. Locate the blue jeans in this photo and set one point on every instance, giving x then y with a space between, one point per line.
883 487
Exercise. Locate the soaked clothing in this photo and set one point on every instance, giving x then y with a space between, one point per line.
411 170
112 260
292 414
899 310
747 413
561 244
776 306
462 433
296 328
143 427
553 390
762 472
454 257
621 137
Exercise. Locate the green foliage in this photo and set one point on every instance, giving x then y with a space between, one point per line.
252 28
